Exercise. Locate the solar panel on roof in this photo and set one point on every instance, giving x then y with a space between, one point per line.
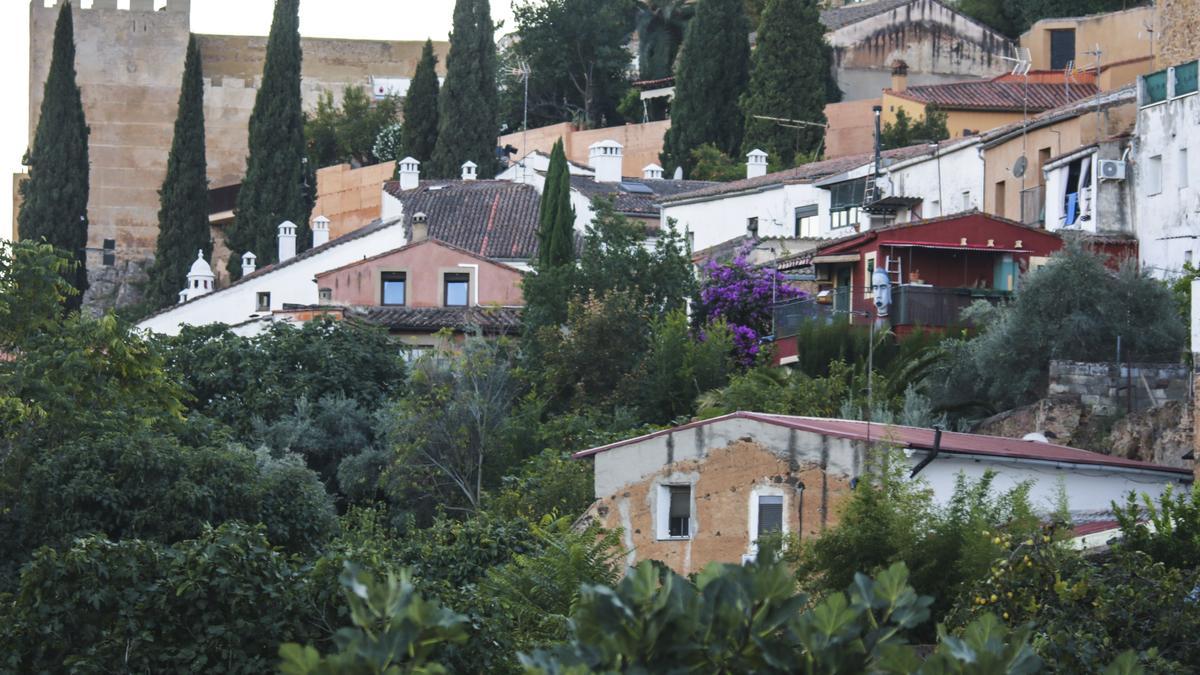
636 188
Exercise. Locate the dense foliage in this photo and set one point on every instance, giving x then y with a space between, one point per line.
183 227
421 109
350 133
789 79
741 294
279 184
468 108
556 216
715 57
54 197
660 25
906 131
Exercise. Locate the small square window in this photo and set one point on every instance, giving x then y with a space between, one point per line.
770 514
752 226
110 252
264 302
394 288
680 511
325 295
1154 175
457 286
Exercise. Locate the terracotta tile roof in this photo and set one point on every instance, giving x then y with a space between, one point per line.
805 173
839 17
491 320
1101 101
922 439
491 218
636 203
996 95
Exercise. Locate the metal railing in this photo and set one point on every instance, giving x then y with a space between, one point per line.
928 306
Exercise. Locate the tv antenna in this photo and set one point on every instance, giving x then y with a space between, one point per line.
522 70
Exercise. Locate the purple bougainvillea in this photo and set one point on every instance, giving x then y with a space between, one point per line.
742 294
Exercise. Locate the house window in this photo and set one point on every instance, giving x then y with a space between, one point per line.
770 514
1183 168
807 220
263 303
674 511
1154 175
966 200
999 198
1187 257
325 295
393 288
1062 48
110 252
752 226
845 202
457 285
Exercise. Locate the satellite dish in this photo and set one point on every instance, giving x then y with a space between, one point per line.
678 173
1019 166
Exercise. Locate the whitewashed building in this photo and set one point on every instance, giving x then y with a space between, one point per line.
290 282
945 181
1165 170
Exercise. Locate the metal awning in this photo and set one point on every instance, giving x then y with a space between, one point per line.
837 258
952 247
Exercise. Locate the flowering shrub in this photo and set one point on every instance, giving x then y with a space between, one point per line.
742 294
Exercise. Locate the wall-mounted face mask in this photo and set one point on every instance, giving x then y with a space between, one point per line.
881 288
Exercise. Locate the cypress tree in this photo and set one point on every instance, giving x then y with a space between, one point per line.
55 196
421 109
277 182
556 216
713 66
469 99
183 216
791 69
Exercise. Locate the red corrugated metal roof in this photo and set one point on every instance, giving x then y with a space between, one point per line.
922 439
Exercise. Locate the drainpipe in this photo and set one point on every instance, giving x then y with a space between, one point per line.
937 447
878 110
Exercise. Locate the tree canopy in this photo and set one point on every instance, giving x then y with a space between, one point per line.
421 109
468 108
556 216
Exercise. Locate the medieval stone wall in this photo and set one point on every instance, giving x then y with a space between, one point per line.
129 65
1179 23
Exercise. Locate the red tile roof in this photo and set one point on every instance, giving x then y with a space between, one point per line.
996 94
922 439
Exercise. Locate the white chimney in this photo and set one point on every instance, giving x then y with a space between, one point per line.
287 240
410 173
248 265
200 279
420 228
652 172
605 158
469 170
756 163
320 230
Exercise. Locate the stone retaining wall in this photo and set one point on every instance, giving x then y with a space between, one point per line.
1112 388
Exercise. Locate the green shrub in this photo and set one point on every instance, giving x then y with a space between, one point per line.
1175 537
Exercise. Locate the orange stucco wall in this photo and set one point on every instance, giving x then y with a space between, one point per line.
958 122
643 142
851 128
722 497
1121 36
424 265
350 198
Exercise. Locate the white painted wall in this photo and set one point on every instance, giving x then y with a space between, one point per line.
291 284
941 180
1057 185
1167 223
720 219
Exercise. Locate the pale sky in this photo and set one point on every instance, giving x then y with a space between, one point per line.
368 19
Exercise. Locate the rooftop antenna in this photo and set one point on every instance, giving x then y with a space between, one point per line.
797 124
1097 52
522 71
1022 61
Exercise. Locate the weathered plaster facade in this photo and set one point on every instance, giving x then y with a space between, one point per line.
938 44
1125 37
1179 22
129 66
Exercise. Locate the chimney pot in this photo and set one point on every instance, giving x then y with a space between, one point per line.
652 172
320 231
287 240
248 265
756 163
409 173
469 170
899 76
606 158
420 228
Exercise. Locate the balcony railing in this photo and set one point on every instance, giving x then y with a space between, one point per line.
929 306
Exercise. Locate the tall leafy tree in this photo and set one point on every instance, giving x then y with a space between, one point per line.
791 66
421 109
713 68
660 27
556 216
585 82
183 215
277 186
55 196
468 105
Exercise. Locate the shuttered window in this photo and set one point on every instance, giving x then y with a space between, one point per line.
770 514
679 515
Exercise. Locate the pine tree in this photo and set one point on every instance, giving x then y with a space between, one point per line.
183 216
556 216
469 99
791 66
713 66
55 196
277 183
421 109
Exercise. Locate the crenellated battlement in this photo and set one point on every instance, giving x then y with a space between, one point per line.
172 6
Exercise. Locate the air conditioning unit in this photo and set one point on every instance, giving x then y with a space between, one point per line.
1112 169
